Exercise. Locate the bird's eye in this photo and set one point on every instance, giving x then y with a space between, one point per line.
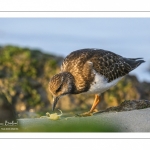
59 89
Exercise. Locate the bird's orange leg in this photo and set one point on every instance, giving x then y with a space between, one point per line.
95 103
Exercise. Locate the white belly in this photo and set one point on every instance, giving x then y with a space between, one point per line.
100 84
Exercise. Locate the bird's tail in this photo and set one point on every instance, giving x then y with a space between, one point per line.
134 62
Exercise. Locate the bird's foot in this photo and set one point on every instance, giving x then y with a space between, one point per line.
86 114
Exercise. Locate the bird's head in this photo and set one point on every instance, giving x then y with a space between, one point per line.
60 85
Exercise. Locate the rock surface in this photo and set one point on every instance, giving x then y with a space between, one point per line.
128 105
128 121
130 116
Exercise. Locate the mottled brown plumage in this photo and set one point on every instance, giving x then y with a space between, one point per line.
81 69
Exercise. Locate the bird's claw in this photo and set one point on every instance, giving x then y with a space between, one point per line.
86 114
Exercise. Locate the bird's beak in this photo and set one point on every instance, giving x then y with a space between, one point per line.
55 100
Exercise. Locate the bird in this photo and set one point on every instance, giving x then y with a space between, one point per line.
90 71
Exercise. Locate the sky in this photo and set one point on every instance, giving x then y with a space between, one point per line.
129 37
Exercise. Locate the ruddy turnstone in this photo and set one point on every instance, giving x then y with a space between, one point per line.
91 71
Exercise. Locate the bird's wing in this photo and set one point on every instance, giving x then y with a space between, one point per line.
106 63
111 65
76 60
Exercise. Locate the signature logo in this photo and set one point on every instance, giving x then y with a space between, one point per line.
7 123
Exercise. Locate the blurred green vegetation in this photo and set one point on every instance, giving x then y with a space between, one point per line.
85 124
24 78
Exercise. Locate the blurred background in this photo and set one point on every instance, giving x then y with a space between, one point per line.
32 49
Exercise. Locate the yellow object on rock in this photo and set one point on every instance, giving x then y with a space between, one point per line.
53 116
